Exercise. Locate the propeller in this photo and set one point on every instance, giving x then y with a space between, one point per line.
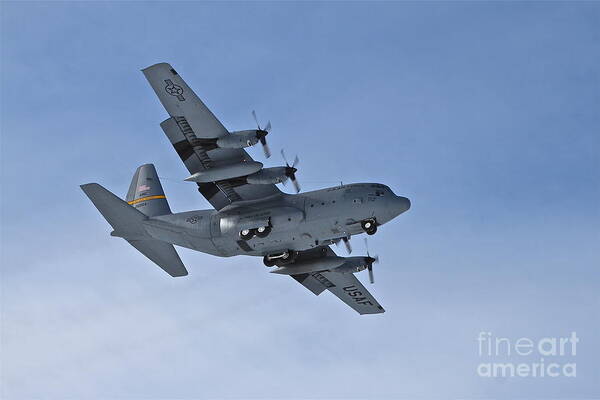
370 261
290 171
261 135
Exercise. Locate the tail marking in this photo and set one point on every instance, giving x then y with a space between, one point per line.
146 198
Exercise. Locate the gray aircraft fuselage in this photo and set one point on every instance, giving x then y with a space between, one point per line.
299 222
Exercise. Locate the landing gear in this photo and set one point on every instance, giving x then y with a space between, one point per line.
289 257
269 262
263 231
369 225
280 259
246 234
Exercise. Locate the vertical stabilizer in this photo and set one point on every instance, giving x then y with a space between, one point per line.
146 193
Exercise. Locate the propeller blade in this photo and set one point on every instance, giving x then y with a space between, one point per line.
284 159
370 261
266 150
295 183
265 147
291 171
262 133
347 244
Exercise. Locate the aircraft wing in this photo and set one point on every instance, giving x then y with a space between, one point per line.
192 128
343 285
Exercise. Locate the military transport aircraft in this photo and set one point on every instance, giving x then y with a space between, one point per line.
252 216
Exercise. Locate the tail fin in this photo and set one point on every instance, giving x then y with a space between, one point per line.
146 193
127 223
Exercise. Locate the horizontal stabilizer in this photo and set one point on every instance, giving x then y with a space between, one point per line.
162 254
120 215
127 223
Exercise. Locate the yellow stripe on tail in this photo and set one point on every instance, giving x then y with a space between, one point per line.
146 198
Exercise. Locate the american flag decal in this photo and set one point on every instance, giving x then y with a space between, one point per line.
143 188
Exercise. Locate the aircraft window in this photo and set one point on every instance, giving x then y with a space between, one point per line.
357 201
312 205
322 204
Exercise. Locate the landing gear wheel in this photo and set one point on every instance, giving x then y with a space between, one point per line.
267 262
246 234
263 231
370 226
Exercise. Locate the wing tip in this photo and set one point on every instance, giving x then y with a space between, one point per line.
180 274
89 186
156 66
381 310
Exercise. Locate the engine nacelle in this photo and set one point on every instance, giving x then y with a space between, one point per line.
352 265
239 139
267 176
225 172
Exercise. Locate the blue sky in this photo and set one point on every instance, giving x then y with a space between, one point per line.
484 114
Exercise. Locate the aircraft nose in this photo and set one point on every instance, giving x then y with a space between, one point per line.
402 204
395 206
